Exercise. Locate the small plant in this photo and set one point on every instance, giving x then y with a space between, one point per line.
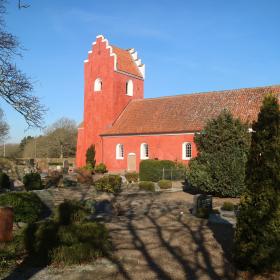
227 206
101 168
109 183
32 181
132 177
203 213
84 176
4 181
165 184
90 156
27 206
147 186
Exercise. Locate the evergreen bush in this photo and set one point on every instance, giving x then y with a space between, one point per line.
219 167
227 206
27 206
165 184
32 181
90 156
147 186
109 183
257 235
4 181
101 168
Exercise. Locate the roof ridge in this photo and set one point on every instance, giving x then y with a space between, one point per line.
207 92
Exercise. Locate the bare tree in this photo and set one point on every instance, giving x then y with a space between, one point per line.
15 86
4 128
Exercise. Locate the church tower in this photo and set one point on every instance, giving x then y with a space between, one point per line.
113 77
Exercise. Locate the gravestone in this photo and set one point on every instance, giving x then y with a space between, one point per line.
202 201
65 166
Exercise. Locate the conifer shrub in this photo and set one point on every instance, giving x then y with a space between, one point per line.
147 186
165 184
32 181
109 183
90 157
4 181
27 206
101 168
257 234
219 168
132 177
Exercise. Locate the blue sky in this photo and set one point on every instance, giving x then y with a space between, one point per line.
187 46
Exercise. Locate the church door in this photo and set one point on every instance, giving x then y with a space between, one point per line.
131 162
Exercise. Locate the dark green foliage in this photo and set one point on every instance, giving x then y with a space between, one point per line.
67 239
90 156
257 235
4 181
165 184
219 168
109 183
147 186
27 206
227 206
132 177
32 181
71 211
155 170
203 213
101 168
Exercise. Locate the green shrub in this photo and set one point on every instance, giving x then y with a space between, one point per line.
227 206
27 206
32 181
90 156
155 170
219 168
101 168
71 211
257 233
84 176
147 186
4 181
109 183
132 177
165 184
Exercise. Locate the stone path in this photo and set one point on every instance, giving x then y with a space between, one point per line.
155 237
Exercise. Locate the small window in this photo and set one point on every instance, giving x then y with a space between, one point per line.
129 88
144 151
187 151
119 151
98 85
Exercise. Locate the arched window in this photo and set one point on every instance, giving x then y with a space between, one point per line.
144 151
129 88
187 151
119 151
98 84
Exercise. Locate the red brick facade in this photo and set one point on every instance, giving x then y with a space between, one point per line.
112 117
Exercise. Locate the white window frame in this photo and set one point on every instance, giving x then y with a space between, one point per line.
184 150
97 85
129 88
119 151
144 151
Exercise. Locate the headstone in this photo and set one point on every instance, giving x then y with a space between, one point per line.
202 201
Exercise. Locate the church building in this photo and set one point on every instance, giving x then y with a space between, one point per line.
126 128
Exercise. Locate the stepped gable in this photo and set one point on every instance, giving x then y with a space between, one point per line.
189 112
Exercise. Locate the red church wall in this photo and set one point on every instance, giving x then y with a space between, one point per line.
167 147
101 108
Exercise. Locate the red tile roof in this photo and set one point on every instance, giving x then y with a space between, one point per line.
125 62
188 113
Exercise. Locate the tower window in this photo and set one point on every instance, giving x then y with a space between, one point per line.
144 151
129 88
98 84
119 151
187 151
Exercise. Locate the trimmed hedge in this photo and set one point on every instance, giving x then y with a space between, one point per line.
147 186
165 184
109 183
32 181
4 181
152 170
27 206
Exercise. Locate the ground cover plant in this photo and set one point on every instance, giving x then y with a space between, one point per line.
109 183
223 147
27 206
257 235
